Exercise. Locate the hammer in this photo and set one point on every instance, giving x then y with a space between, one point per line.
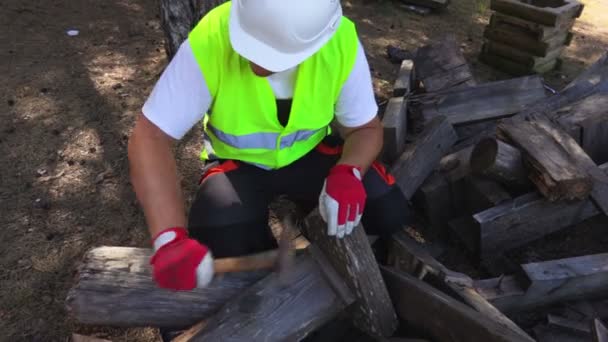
280 259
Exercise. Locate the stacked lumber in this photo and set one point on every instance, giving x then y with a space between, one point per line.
526 37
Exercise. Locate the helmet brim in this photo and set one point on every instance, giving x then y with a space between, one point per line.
263 54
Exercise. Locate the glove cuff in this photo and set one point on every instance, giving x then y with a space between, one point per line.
345 168
168 236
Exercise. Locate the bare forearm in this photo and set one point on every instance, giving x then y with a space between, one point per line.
362 145
154 177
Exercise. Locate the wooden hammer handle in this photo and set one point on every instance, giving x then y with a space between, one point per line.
252 262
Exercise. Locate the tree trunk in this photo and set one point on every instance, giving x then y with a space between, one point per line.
178 17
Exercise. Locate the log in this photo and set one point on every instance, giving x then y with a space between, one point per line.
553 170
587 123
538 31
394 122
441 66
544 283
115 288
354 261
548 12
422 156
488 101
179 17
403 83
499 161
408 256
440 316
275 309
599 333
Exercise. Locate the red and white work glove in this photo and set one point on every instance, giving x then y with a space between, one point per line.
342 200
179 262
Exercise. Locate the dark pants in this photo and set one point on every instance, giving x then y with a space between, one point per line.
230 212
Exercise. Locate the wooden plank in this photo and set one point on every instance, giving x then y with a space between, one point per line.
277 310
527 44
501 162
422 156
521 56
354 261
488 101
538 31
394 122
441 66
548 282
524 219
554 171
440 316
514 68
408 256
115 288
482 194
403 83
571 325
599 333
547 12
547 333
587 123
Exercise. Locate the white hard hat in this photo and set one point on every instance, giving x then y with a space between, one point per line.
280 34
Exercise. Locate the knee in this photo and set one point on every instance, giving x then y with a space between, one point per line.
386 214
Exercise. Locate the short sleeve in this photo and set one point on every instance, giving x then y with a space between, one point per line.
356 104
180 97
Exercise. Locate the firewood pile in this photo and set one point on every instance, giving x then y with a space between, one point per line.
493 167
490 167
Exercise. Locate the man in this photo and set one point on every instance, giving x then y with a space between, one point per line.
267 78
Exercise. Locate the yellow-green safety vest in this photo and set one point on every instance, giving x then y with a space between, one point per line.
242 122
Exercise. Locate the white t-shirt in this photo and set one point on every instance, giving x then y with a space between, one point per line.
180 97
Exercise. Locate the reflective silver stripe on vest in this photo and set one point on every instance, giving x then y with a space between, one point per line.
253 140
262 140
292 138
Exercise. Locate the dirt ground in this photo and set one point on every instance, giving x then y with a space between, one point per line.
67 107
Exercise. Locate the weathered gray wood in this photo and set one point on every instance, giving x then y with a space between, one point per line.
587 122
394 122
482 194
422 156
403 83
441 66
568 324
409 256
115 288
545 12
440 316
525 219
521 56
499 161
527 44
274 310
554 171
488 101
353 259
434 200
599 333
514 68
548 282
538 31
179 17
548 333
